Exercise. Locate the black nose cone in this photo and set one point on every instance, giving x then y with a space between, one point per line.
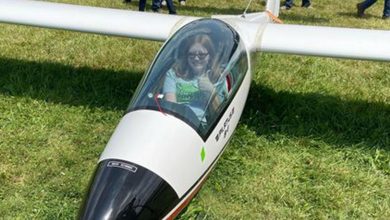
123 190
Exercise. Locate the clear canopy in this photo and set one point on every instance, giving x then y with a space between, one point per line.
195 74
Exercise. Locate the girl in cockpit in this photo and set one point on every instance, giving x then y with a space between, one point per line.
195 78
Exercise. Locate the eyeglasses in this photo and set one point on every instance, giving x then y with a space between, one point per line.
201 56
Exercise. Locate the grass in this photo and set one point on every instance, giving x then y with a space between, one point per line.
313 142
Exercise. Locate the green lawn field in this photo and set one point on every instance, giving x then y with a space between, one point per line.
313 141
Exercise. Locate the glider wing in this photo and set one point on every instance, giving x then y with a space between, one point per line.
326 41
149 26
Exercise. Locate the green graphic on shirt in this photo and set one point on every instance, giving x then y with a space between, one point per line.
186 92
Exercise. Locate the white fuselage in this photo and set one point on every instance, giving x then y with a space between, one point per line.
171 148
150 141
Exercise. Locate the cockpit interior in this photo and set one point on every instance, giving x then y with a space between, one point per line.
195 75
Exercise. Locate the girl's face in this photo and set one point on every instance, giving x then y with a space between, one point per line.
198 58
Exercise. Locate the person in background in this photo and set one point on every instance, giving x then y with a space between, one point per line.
170 6
362 6
156 4
182 2
288 4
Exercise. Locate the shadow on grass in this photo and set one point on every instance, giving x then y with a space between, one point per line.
354 15
297 18
317 116
59 83
267 112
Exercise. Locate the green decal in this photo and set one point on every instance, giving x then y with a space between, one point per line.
203 154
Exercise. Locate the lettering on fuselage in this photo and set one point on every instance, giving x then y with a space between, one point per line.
225 127
122 165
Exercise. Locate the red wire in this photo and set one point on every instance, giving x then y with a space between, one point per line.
158 104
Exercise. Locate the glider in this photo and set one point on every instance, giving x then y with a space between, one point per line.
143 177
